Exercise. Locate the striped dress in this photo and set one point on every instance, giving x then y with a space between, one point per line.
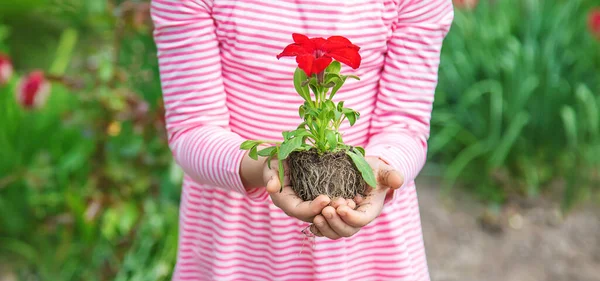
222 84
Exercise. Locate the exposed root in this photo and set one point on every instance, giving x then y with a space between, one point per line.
331 174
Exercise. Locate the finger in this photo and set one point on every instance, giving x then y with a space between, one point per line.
271 177
355 218
273 185
358 199
315 230
387 176
307 210
337 224
324 228
366 212
294 206
273 174
350 203
335 203
286 199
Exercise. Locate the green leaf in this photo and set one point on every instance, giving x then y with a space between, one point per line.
64 52
328 85
313 87
351 115
301 111
329 105
305 147
360 149
312 112
332 77
323 115
340 106
460 162
586 99
569 118
444 137
337 87
331 115
299 77
511 135
331 139
312 125
267 151
127 218
298 133
337 115
248 144
365 169
271 157
334 67
281 173
353 77
288 146
253 153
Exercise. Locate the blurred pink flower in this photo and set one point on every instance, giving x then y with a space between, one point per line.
33 90
594 22
6 69
465 4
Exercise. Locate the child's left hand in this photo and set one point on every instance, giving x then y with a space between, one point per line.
339 220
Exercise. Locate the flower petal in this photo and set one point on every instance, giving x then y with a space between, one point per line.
321 64
300 38
305 62
292 50
594 22
318 42
6 69
347 56
304 41
338 42
33 90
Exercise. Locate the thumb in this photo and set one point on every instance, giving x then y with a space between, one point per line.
271 180
388 176
273 185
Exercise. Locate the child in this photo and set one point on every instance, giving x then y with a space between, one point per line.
222 85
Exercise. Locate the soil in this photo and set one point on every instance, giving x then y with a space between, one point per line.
525 241
331 174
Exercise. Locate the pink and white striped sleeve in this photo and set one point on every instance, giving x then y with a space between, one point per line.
195 101
400 126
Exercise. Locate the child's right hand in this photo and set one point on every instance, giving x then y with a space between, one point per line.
287 200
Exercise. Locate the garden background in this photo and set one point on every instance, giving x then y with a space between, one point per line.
89 191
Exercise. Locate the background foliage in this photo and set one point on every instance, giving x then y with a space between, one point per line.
88 189
517 108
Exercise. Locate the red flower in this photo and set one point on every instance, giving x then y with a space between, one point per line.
6 69
33 90
594 22
315 54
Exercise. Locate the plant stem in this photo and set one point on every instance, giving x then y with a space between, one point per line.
320 77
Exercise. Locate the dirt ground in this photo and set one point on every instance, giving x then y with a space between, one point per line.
528 242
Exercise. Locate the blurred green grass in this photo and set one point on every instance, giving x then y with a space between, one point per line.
88 188
518 101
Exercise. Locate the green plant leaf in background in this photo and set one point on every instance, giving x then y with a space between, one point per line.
540 117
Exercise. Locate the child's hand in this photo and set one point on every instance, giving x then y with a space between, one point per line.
340 220
287 200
